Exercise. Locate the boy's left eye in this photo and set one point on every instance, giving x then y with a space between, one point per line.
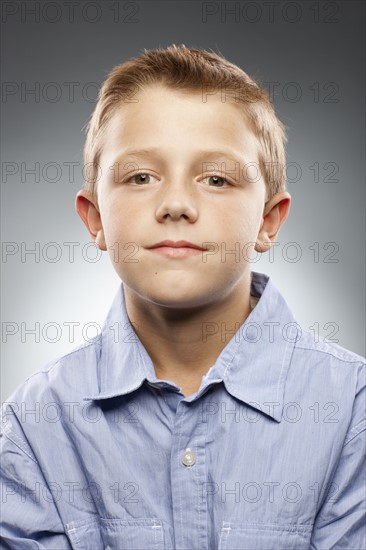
217 180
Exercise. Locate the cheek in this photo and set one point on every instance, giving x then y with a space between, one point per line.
243 221
117 221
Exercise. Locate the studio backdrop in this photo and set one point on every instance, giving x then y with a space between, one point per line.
309 56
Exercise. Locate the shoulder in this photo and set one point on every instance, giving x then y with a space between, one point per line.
67 377
311 343
330 361
335 374
318 354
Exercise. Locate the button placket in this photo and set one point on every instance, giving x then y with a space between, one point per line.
188 473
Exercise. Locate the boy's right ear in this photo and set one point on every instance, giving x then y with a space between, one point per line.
87 207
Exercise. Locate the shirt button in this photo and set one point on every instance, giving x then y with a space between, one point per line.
188 458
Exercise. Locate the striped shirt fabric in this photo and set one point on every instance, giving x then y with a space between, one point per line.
269 453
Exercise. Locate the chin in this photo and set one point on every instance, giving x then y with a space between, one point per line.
171 296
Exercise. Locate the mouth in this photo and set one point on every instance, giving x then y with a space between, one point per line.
176 249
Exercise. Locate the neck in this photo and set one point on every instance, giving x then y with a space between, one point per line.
184 343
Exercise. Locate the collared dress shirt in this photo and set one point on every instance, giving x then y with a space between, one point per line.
98 453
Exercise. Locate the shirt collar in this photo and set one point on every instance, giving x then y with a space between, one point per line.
253 365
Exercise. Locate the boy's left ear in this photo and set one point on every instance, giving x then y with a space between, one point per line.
274 215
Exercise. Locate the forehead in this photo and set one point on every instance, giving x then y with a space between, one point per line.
179 121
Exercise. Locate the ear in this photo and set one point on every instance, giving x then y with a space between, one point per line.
274 215
86 206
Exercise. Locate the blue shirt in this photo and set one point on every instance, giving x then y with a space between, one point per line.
269 453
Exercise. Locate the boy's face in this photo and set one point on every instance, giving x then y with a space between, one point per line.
179 197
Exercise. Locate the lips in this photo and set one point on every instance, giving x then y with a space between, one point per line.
176 244
176 249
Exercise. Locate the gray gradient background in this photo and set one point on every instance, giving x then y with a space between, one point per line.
304 52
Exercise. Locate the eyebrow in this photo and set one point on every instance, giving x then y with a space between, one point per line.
155 151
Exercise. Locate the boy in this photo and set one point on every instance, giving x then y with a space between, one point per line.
202 417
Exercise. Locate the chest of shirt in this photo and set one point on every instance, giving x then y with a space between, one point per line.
150 470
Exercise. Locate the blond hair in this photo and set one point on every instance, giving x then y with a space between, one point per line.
181 68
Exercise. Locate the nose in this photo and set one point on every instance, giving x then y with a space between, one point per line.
176 201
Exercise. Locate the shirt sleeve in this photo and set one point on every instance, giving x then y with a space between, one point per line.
29 518
341 519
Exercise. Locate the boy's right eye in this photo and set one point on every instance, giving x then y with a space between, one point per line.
142 178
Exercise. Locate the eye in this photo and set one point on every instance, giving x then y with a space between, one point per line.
141 178
217 181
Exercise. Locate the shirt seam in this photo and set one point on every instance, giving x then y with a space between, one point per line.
181 496
297 528
360 427
331 353
18 442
